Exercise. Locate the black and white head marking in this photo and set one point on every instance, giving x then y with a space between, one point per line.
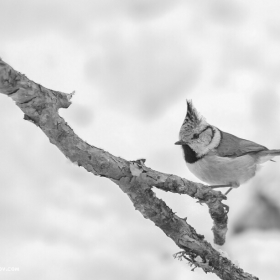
203 141
192 119
189 154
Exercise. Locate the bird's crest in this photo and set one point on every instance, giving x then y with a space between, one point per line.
192 119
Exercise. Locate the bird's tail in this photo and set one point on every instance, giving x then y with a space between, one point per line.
267 155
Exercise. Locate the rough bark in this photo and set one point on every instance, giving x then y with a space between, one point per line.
40 106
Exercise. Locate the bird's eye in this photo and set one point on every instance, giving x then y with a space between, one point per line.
195 136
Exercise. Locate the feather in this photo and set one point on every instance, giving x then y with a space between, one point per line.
274 152
233 146
192 114
192 119
216 170
189 154
266 155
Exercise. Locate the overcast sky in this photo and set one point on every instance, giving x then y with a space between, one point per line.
132 64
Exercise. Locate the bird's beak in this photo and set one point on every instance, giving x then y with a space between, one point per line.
180 142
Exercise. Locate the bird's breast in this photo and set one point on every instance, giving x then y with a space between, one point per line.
217 170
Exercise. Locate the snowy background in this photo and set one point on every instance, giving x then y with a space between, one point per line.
132 64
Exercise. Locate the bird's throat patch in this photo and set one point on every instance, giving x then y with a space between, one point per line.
189 154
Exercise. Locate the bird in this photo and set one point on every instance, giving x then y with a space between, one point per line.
218 158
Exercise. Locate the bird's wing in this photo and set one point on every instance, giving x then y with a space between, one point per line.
232 146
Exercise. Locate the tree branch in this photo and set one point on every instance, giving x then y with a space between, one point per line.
40 106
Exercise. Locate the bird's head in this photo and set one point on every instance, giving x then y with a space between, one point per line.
197 133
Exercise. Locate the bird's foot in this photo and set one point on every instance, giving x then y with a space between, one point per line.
223 186
227 192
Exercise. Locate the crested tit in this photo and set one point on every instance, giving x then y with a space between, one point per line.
217 157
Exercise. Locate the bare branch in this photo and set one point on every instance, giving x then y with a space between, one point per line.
40 106
204 194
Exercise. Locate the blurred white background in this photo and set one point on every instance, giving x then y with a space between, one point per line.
132 64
